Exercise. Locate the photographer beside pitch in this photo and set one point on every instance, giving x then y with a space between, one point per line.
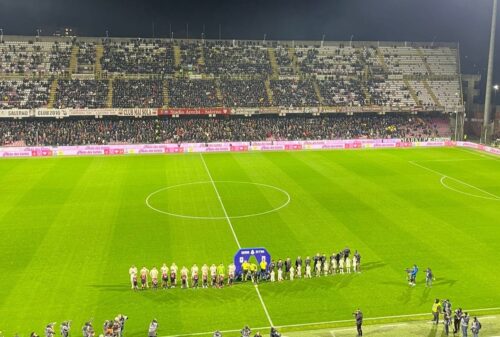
358 315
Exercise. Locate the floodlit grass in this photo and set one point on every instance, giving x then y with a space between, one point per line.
71 227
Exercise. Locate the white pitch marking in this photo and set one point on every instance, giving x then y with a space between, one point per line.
451 160
491 156
234 234
462 192
218 217
332 322
458 180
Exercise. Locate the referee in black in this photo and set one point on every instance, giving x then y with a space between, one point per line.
358 315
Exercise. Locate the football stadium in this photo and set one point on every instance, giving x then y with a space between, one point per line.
174 185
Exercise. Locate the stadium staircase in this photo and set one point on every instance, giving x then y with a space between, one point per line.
201 59
293 58
381 60
52 93
166 98
269 91
218 92
431 93
424 59
73 62
318 92
412 92
109 100
177 59
99 52
274 64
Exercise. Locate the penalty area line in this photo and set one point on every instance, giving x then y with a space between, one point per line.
228 219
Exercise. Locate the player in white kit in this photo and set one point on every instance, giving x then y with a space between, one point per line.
194 276
341 265
318 268
144 278
280 275
173 275
354 263
231 269
308 271
292 273
334 266
184 277
204 276
348 264
154 277
164 276
326 267
133 274
213 275
273 276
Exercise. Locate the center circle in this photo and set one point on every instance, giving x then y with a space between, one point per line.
200 200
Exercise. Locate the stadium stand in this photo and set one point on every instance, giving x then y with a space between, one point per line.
203 129
240 78
193 94
81 94
23 94
137 93
307 74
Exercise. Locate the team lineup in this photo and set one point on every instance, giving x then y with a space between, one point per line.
215 275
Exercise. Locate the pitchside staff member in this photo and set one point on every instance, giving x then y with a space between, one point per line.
358 315
153 328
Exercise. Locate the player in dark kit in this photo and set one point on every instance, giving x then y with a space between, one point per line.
456 320
323 260
288 265
308 261
347 252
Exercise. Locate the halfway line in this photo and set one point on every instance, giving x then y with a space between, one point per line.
234 233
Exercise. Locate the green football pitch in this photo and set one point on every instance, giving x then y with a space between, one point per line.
70 228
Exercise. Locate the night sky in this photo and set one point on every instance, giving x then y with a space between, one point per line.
463 21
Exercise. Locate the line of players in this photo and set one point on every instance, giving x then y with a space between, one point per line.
167 277
338 263
215 276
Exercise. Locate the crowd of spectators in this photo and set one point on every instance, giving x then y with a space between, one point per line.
60 57
21 58
191 54
244 93
23 94
290 93
137 94
192 94
86 56
225 58
202 129
340 92
283 60
81 94
138 57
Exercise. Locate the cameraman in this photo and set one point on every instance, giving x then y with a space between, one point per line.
274 333
358 315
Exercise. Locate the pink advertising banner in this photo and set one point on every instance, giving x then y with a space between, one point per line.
114 150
